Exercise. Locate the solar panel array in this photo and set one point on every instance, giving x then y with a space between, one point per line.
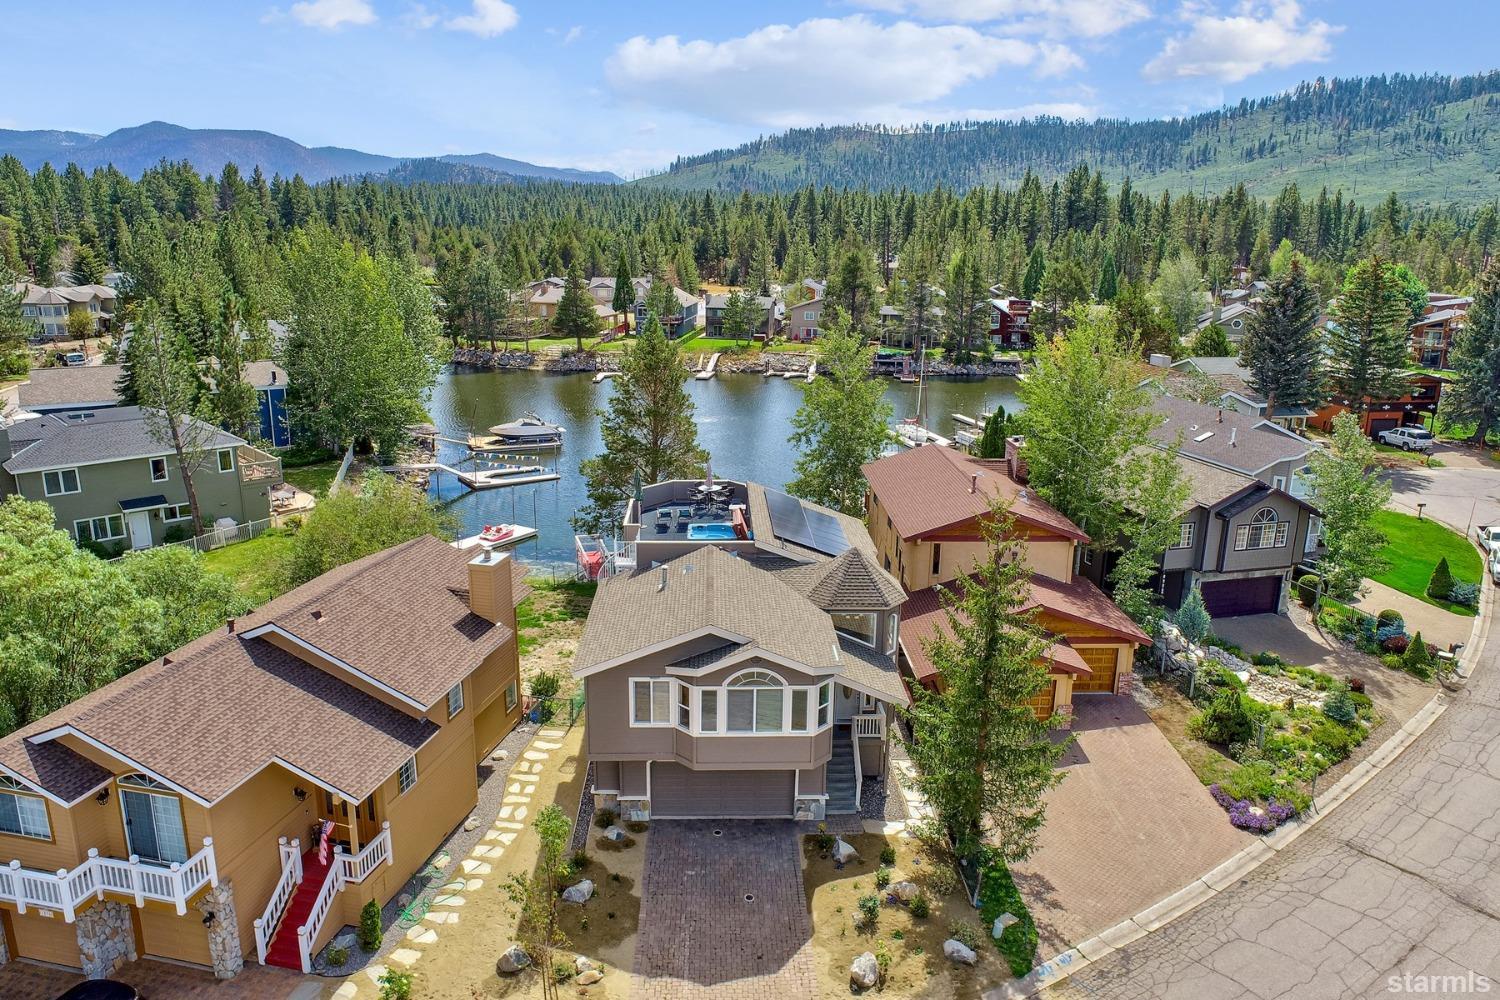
792 521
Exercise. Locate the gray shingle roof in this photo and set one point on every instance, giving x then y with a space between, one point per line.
85 385
869 668
850 582
56 442
1225 437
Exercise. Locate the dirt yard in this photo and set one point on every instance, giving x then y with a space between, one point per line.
551 622
918 967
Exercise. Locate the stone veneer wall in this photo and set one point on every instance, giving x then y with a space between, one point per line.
106 938
4 951
224 932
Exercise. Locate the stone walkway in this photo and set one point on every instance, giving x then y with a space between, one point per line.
473 871
723 913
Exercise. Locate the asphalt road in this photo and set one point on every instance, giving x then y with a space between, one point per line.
1397 892
1460 496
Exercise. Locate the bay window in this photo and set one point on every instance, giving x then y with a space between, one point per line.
755 700
859 626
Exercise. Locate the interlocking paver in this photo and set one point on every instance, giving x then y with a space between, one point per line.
700 936
157 980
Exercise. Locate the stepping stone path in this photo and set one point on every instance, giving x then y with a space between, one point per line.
508 824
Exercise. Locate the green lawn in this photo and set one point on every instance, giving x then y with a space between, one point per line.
1413 549
314 478
254 566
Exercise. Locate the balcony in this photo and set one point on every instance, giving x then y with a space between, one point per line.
69 891
257 466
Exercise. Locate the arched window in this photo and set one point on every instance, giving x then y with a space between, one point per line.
756 699
1265 531
153 819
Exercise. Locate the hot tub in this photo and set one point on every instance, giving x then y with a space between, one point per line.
720 531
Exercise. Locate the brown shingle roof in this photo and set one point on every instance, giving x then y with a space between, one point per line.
850 582
923 619
376 612
927 489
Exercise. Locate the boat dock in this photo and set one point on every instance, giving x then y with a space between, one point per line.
519 534
601 376
708 370
493 445
482 479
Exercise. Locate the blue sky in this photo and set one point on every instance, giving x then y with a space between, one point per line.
627 86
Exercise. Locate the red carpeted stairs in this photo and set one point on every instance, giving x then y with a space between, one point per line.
283 950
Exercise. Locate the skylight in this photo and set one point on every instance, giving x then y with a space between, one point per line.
1204 436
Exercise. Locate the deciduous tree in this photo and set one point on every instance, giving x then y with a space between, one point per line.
355 522
1349 495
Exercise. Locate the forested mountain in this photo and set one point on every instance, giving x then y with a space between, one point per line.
1431 139
134 150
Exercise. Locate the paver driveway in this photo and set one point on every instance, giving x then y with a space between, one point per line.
699 934
163 981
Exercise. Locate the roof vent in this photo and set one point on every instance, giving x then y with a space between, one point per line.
317 615
1232 431
973 482
661 583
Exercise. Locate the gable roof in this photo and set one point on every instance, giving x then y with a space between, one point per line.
84 385
928 488
1225 437
367 614
113 435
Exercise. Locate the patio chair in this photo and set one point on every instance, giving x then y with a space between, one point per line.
662 527
682 527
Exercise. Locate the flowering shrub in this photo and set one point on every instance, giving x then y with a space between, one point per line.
1395 644
1243 812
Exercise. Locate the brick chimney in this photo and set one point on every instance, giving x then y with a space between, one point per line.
1013 456
490 594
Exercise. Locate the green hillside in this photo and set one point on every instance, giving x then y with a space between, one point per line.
1431 139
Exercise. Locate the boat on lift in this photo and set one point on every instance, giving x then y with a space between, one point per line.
529 433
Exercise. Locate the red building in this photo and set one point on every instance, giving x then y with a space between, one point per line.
1010 324
1412 409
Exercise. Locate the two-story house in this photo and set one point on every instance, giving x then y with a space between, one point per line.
49 307
1010 324
687 317
1250 521
177 812
96 387
1413 408
1232 377
767 307
742 662
803 319
110 479
1432 333
927 510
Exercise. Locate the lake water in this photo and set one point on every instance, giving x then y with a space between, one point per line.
743 422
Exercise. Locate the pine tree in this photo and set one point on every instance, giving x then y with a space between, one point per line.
1212 342
1281 347
1036 270
991 443
1108 279
624 299
171 395
741 315
1192 618
985 761
1474 396
1367 343
15 330
851 286
576 317
1440 585
647 429
964 310
842 422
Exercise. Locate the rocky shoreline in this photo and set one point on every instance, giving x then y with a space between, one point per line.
729 364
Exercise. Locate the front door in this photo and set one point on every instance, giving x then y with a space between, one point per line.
140 528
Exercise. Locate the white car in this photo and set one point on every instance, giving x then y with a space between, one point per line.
1488 537
1408 438
1495 566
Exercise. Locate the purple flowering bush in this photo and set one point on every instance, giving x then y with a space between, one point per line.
1243 814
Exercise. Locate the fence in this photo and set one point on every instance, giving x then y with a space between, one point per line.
217 538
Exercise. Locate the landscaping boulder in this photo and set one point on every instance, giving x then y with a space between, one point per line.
614 833
582 964
905 891
843 853
1003 921
500 755
580 893
589 978
864 971
959 952
472 823
512 960
403 900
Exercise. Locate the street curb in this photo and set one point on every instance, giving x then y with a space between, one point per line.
1231 872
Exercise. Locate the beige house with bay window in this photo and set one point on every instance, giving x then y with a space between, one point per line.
741 660
175 813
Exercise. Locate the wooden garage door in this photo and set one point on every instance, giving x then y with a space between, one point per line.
1041 702
45 939
680 792
1260 595
1102 661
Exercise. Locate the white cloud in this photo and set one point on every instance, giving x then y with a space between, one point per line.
490 18
1089 18
820 70
418 16
333 14
574 33
1258 36
1056 60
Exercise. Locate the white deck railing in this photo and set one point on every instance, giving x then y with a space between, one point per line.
345 869
66 890
872 726
281 895
866 727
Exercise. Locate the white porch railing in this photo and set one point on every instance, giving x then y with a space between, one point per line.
66 890
281 896
345 869
870 726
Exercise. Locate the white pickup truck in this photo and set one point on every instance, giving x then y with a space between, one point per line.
1488 537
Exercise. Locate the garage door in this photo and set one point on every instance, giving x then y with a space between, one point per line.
1102 660
45 939
1258 595
680 792
1041 702
1380 424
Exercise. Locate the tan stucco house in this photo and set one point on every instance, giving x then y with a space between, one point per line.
926 510
174 812
741 661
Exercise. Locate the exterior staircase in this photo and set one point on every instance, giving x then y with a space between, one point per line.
285 950
840 774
